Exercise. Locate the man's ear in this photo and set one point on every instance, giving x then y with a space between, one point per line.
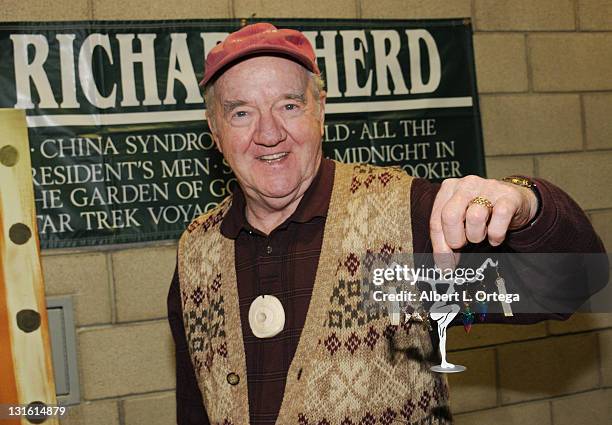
322 99
213 130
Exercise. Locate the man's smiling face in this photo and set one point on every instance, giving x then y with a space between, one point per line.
268 125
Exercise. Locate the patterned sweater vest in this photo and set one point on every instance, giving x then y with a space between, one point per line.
350 367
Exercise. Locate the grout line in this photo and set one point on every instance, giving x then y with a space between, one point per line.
160 393
577 23
528 63
545 92
549 399
528 72
589 216
541 32
507 92
121 412
599 359
231 9
111 287
598 210
525 155
510 156
544 32
557 153
529 340
547 328
120 324
473 13
358 9
498 396
550 412
583 122
544 153
96 249
163 391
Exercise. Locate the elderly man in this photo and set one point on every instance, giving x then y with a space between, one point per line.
264 304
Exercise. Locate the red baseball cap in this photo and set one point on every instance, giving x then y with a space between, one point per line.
258 38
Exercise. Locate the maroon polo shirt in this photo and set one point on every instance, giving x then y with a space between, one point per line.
284 264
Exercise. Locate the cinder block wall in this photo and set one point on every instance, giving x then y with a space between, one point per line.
545 78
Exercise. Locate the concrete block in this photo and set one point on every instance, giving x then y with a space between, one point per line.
501 62
489 334
602 222
605 354
587 177
84 276
41 10
298 9
595 14
593 408
524 15
92 413
144 9
142 279
156 409
571 62
122 360
598 120
580 322
476 387
548 367
537 413
519 124
502 166
415 9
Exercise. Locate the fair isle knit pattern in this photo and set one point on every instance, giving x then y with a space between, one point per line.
351 366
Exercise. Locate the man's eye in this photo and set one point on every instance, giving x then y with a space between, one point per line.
291 107
240 114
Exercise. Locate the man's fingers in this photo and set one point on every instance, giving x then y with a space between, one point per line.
503 211
453 220
443 254
476 219
456 221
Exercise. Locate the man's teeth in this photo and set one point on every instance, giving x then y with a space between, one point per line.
273 157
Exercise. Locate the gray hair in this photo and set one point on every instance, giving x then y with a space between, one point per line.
316 82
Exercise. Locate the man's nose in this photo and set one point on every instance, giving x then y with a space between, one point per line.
271 131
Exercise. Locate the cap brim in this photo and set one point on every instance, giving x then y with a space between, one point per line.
231 60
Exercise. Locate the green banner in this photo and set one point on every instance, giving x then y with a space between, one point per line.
120 149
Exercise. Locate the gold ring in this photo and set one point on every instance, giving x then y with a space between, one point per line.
481 200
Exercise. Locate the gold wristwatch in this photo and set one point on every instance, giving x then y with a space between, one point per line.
528 183
520 181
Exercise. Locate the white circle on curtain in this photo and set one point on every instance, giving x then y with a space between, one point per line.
266 316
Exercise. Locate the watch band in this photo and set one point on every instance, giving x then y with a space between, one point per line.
520 181
525 181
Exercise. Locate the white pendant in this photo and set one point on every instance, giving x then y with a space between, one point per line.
266 316
501 285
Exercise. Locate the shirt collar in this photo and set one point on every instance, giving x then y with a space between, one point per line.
314 203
